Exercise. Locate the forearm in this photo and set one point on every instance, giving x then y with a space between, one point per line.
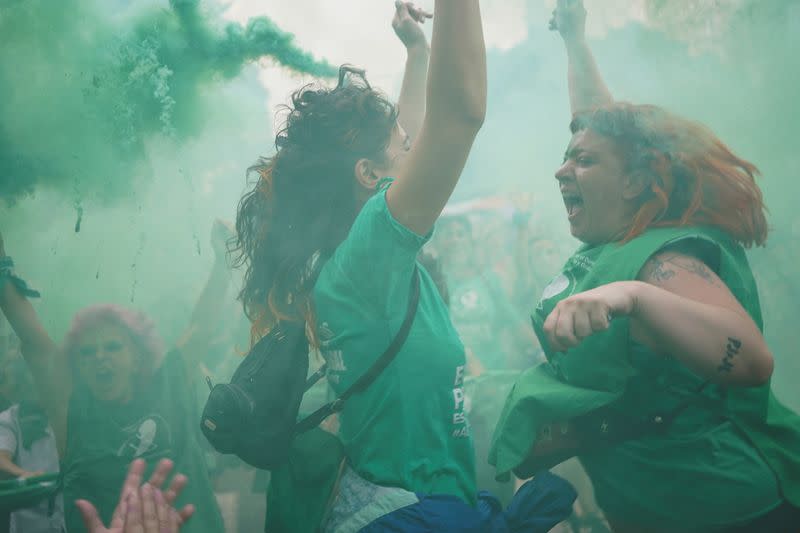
36 345
50 374
207 308
587 89
456 93
8 467
413 92
718 344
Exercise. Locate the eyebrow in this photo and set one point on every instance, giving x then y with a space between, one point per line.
575 151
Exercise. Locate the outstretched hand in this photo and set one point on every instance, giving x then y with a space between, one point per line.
407 24
142 508
569 19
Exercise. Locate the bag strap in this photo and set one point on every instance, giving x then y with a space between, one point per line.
319 416
609 428
664 421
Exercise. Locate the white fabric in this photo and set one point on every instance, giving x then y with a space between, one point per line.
42 456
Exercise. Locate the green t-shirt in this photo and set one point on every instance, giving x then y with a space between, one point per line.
732 455
409 428
160 422
481 312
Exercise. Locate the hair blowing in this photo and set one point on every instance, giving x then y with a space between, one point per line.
694 179
303 202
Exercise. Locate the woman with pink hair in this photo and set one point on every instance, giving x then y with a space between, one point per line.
113 396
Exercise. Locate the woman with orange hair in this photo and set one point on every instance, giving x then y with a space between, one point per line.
658 373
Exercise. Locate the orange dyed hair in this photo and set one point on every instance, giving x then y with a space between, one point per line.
694 179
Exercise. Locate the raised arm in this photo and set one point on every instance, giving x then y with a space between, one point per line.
586 86
209 305
406 24
49 371
456 107
206 310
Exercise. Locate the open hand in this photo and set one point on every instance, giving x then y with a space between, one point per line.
407 24
586 313
569 19
142 508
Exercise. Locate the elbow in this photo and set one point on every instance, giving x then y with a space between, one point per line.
761 370
476 119
464 113
757 372
466 118
473 113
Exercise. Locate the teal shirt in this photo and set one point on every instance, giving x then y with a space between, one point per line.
409 428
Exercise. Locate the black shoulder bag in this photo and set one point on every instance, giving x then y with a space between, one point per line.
255 415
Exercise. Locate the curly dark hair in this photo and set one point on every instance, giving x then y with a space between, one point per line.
303 201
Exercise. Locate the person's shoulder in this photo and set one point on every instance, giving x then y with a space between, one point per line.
12 413
9 419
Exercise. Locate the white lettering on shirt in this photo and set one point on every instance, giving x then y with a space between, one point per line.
459 399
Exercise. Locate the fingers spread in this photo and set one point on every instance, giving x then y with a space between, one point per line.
175 488
131 484
186 513
161 472
133 520
149 512
163 512
90 517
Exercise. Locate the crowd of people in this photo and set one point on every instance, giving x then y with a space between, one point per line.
624 387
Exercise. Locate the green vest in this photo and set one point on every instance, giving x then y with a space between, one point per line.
605 369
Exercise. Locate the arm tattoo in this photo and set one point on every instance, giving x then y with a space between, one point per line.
731 351
697 268
662 268
658 270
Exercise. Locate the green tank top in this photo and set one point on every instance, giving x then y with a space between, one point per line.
715 466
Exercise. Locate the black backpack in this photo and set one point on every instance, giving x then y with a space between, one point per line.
255 415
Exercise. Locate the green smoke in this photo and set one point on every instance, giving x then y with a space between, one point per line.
85 91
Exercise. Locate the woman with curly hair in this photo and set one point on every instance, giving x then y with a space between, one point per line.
330 235
658 373
112 395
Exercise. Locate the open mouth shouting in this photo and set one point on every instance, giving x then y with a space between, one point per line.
573 202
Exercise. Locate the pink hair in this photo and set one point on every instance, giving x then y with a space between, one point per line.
141 329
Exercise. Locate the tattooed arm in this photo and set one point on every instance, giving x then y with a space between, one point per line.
684 310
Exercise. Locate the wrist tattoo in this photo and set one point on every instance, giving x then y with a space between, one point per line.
731 351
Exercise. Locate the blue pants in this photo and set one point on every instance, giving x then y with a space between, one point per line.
537 507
